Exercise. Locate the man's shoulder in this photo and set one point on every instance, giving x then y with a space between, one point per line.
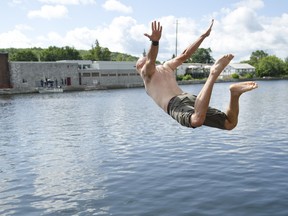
147 73
167 65
164 67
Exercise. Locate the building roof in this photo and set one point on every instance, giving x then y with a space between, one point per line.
241 66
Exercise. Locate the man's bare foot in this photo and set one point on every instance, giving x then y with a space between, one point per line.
220 64
239 88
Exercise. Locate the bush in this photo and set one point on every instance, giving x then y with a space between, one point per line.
249 75
187 77
235 76
179 77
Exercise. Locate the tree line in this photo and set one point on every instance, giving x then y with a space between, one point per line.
265 65
268 65
53 53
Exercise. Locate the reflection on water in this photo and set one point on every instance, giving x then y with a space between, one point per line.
116 153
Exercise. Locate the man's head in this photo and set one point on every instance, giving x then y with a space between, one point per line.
140 63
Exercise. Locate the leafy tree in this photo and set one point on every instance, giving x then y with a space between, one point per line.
256 56
106 54
122 57
24 55
201 55
70 53
54 53
98 53
286 65
270 66
49 54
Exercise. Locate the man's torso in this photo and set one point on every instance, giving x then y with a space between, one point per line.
162 86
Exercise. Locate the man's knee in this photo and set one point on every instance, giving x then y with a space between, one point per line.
230 125
197 120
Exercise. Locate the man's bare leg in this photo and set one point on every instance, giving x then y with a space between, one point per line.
203 98
236 90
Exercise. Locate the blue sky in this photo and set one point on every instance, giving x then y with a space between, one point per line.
241 26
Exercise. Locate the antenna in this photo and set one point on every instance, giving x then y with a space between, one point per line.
176 45
176 42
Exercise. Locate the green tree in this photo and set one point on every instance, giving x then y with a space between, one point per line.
256 56
69 53
270 66
106 54
24 55
201 55
50 54
286 65
122 57
54 53
98 53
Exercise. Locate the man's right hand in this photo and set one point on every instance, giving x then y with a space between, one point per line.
156 31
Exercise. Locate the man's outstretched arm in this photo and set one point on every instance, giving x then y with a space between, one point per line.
154 48
178 60
193 47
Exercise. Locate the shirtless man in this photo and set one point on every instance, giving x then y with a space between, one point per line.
189 110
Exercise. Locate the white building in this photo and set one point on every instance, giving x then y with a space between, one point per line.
237 68
111 74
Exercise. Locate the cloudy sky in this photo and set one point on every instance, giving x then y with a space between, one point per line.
241 26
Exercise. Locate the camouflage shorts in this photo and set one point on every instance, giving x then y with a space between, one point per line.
181 108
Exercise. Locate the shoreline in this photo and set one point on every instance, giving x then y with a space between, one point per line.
12 91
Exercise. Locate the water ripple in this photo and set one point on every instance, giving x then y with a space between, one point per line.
116 153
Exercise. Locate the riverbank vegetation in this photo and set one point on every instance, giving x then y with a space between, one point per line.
265 65
53 53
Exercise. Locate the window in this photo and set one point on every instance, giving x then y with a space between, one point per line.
95 74
86 74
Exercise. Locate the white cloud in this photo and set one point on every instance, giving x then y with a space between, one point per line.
242 31
241 19
23 27
15 2
80 38
119 36
49 12
68 2
14 38
115 5
125 35
254 4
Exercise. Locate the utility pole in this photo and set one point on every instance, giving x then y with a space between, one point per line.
176 43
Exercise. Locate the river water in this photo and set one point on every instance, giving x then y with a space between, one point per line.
114 152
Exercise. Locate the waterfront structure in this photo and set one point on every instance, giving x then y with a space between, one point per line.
237 68
110 74
69 75
202 70
4 71
198 70
30 76
25 77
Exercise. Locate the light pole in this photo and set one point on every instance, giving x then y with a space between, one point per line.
176 44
